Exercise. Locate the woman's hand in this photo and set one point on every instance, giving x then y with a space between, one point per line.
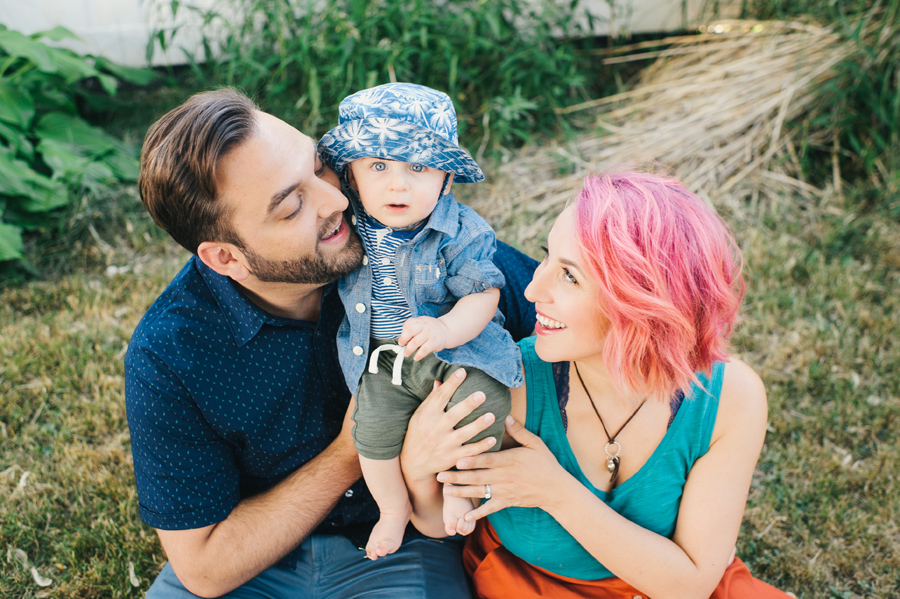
432 444
526 476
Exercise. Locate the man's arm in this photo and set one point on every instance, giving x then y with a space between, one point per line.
260 530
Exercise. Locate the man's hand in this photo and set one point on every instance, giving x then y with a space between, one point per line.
425 334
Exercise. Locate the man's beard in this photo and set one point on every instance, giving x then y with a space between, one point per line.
316 269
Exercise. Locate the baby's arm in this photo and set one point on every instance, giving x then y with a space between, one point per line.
461 324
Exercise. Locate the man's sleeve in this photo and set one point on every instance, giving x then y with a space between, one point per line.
518 270
185 472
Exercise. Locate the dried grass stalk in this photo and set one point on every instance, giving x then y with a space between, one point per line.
711 107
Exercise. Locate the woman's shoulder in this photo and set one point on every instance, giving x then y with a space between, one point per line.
742 402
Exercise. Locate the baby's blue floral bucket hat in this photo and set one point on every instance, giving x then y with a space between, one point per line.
399 121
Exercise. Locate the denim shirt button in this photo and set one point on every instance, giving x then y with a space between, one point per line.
387 281
365 260
357 350
353 219
349 493
385 261
360 308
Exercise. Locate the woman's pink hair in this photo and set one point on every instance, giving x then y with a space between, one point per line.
670 278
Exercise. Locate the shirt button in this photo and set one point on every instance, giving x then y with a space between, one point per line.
388 281
349 493
353 219
357 351
365 260
385 261
360 308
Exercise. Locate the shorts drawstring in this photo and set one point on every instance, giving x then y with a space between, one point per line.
398 361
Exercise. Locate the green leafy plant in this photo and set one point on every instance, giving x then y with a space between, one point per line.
505 63
48 152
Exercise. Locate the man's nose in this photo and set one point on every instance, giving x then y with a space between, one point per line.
330 199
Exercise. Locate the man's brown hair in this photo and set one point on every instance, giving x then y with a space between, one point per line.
177 183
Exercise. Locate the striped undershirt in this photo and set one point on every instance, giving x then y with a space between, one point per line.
389 308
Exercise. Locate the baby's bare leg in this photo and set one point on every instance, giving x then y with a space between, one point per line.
385 480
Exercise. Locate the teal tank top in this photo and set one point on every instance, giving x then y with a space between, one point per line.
649 498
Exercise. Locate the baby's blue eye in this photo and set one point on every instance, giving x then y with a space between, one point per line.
417 168
379 166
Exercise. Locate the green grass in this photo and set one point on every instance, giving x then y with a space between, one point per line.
820 325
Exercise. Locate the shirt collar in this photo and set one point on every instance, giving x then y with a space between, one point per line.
244 318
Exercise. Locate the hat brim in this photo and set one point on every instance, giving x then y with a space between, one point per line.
398 140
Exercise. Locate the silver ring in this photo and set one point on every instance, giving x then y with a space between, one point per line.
487 491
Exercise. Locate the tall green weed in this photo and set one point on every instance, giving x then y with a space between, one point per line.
503 62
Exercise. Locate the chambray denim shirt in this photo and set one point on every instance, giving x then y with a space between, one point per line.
449 258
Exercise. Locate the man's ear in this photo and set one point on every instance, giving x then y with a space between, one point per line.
224 258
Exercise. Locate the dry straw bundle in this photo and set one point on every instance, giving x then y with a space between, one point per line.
712 107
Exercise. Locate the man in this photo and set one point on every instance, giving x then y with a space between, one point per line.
236 402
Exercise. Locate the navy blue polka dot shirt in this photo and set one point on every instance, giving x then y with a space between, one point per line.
225 400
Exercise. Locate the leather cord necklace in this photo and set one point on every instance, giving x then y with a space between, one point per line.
612 459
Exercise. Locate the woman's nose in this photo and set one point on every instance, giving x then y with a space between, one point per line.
535 290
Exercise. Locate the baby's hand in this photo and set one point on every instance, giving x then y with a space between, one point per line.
424 333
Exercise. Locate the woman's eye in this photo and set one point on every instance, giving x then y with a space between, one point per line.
417 168
546 253
379 166
568 277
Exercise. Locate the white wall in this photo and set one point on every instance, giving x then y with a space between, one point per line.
120 29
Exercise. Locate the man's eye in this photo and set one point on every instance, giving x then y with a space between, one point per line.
295 211
417 168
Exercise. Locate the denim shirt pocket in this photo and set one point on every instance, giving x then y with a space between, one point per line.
430 281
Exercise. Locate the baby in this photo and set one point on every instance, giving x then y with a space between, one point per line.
425 301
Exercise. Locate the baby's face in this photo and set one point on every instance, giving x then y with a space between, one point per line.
396 194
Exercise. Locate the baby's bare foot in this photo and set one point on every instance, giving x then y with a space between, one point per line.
387 534
455 509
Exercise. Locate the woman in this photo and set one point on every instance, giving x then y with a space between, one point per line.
631 472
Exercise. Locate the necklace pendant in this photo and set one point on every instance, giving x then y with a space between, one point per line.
612 464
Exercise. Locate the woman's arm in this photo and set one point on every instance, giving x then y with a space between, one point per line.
692 563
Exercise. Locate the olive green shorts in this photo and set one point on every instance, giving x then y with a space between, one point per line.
383 409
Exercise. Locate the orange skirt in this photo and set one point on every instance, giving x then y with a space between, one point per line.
498 574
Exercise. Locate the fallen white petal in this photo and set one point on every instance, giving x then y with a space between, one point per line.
132 577
22 480
21 556
40 580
